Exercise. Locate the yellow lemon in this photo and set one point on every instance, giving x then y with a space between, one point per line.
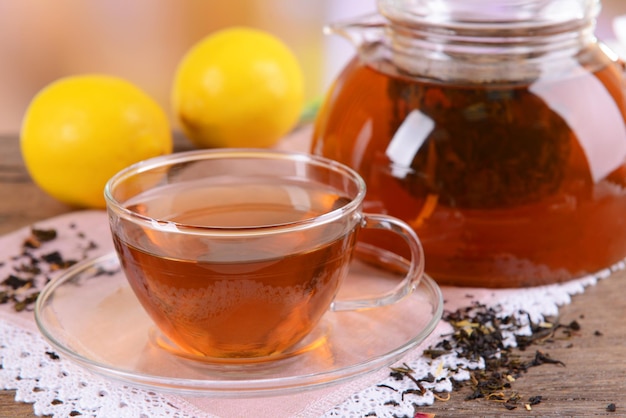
80 130
238 87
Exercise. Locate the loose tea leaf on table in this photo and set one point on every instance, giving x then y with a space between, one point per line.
36 259
481 334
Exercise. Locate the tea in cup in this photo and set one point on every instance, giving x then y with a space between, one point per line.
238 254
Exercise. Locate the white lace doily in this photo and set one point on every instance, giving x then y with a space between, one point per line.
60 388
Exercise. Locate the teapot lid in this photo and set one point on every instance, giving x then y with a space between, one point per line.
476 12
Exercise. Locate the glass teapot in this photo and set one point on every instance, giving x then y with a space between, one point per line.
496 129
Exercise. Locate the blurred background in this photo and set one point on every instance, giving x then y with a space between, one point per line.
143 40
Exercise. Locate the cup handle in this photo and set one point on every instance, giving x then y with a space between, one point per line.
414 267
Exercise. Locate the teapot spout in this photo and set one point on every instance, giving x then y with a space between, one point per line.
362 31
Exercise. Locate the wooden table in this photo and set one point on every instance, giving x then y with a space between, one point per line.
595 359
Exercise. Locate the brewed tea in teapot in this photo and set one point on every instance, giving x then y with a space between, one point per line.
495 129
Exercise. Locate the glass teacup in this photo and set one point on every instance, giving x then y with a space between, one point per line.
237 254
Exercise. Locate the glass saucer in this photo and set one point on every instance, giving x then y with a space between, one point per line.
90 315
